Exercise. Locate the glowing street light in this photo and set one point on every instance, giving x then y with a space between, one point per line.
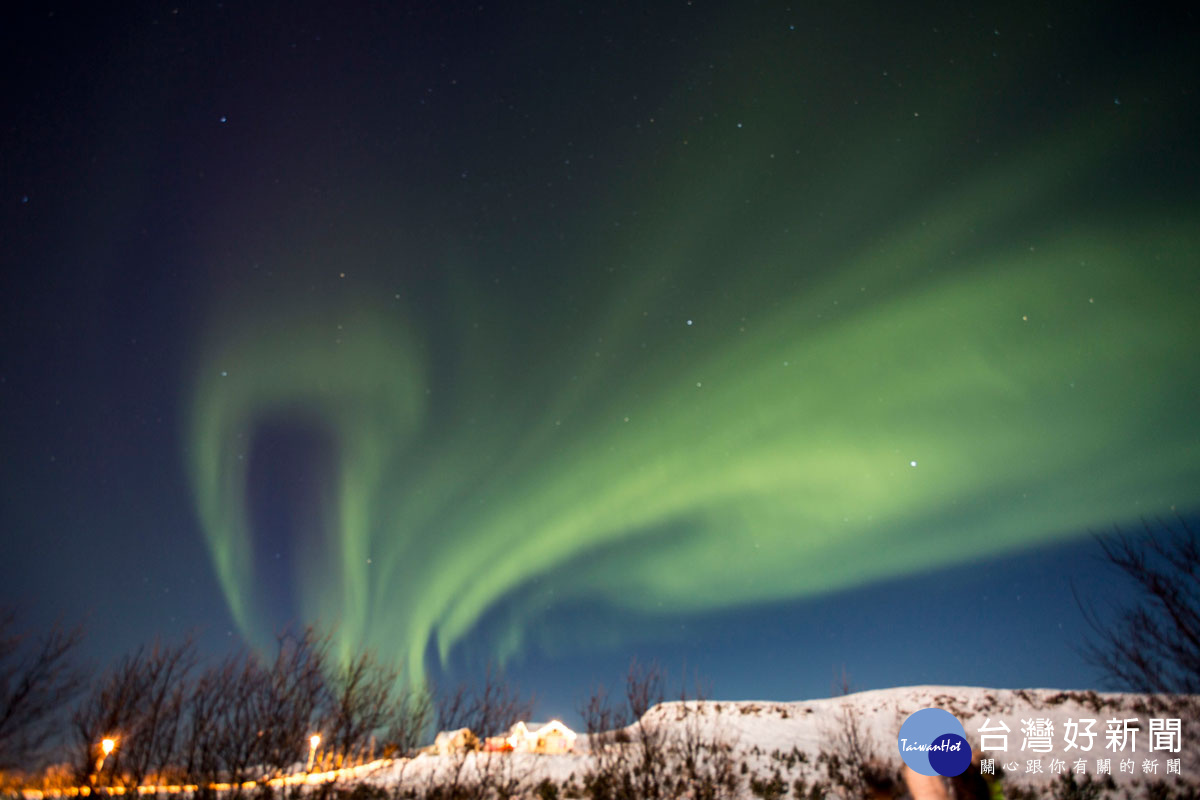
107 745
314 742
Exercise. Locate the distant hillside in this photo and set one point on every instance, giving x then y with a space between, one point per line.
772 745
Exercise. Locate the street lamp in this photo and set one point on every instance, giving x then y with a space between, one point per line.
314 742
107 745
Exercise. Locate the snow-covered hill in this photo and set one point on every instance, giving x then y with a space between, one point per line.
786 739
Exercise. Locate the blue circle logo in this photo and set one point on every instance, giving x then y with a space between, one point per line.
933 742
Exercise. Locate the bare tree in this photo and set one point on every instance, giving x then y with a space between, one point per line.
239 720
850 761
853 766
38 677
249 719
414 716
289 700
610 774
140 705
1154 644
370 699
361 703
644 689
221 734
704 754
640 751
207 708
488 708
474 771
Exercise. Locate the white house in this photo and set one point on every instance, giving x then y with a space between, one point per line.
550 738
456 741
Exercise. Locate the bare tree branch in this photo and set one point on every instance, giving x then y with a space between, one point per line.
140 703
38 677
1152 646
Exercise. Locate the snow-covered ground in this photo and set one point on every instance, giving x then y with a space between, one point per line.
767 736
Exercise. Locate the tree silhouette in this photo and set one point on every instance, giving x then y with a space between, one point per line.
140 703
1152 645
38 678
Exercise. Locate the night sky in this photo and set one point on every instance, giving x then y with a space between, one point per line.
770 339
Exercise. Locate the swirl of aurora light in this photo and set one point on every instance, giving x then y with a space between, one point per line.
776 381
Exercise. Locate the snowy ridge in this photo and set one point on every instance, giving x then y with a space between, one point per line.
761 728
768 736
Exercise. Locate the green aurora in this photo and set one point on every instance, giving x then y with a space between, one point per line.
724 402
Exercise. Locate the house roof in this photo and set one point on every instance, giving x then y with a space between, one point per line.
451 734
543 728
536 729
